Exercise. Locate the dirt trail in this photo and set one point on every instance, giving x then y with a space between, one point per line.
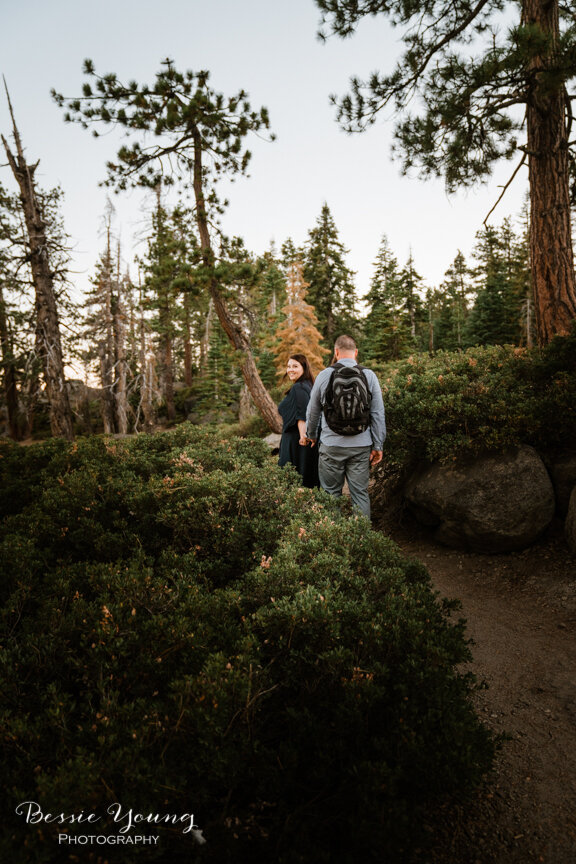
521 614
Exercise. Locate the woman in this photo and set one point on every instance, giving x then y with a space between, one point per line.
294 446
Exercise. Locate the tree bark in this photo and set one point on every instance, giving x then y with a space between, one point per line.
165 353
121 365
107 401
246 408
47 322
260 395
168 377
121 381
10 390
188 378
552 259
32 389
147 377
107 349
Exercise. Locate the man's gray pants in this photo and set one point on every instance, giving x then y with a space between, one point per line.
337 464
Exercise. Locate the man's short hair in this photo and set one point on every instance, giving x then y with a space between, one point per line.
345 343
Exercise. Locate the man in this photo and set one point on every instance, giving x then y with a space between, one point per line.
347 456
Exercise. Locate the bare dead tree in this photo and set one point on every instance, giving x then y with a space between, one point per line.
46 311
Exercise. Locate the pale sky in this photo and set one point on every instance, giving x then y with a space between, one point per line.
268 48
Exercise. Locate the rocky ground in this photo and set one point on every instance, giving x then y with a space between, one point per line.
521 614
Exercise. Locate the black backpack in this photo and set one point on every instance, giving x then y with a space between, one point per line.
347 400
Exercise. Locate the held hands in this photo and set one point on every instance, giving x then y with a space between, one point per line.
375 455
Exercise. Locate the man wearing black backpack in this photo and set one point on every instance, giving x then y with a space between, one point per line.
346 414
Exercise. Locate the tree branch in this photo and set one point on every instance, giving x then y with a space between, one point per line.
456 31
506 187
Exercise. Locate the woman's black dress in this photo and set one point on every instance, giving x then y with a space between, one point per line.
293 408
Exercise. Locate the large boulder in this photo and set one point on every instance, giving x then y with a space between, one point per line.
273 441
494 503
570 525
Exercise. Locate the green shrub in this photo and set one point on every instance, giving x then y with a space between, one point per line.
491 398
185 629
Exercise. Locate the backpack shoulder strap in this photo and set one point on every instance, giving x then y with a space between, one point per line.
329 389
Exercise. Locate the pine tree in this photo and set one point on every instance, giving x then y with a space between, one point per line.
272 294
188 283
298 333
495 316
479 82
521 299
332 291
147 380
290 254
217 388
387 326
523 283
107 332
452 306
411 283
167 268
199 137
120 326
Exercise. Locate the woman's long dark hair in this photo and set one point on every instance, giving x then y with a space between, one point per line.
307 373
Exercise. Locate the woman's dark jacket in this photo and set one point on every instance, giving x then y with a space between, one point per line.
293 408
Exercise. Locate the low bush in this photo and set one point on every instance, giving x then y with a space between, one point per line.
186 630
459 403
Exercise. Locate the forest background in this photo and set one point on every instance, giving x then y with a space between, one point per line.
140 331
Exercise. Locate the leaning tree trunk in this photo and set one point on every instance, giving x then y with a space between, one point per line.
552 260
238 340
47 322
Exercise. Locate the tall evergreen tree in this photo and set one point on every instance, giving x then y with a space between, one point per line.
271 299
387 326
290 254
332 291
495 316
101 303
452 306
172 292
109 333
479 81
201 135
163 268
298 333
517 253
146 380
217 388
188 283
412 289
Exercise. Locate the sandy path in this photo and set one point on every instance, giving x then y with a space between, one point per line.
521 614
